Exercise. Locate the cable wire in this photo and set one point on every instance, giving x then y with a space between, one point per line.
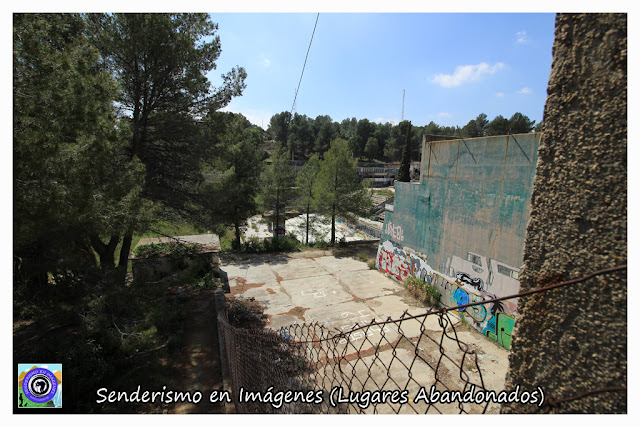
304 66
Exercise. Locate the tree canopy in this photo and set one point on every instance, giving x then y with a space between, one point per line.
278 189
160 62
306 136
337 190
71 175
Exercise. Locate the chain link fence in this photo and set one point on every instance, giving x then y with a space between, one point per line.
392 366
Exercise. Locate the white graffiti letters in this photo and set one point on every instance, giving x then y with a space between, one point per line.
394 231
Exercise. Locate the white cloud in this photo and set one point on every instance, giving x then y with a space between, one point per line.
266 63
521 37
524 91
467 73
500 94
444 114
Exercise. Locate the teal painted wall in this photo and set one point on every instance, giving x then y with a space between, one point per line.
466 220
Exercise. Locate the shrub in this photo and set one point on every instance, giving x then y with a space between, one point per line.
372 264
177 250
422 290
282 244
252 245
362 256
245 313
209 280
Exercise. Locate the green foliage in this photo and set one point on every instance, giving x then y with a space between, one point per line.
362 135
326 131
177 250
519 123
286 244
404 130
422 290
279 126
337 190
278 190
70 176
383 192
232 179
161 63
304 182
372 264
282 244
301 137
498 126
209 280
538 127
371 148
362 256
476 128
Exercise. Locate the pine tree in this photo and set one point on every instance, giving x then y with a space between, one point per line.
337 190
277 184
71 175
305 182
404 175
232 178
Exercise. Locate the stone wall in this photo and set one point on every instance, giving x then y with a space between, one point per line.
574 340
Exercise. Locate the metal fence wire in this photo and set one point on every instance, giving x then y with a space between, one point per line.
309 368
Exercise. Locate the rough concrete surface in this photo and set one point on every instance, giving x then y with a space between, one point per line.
340 293
573 340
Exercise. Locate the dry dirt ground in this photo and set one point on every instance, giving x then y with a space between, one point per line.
199 368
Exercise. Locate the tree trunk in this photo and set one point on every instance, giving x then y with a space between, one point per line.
333 226
106 252
237 227
124 255
277 213
308 207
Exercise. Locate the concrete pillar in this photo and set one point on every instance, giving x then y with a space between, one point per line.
573 340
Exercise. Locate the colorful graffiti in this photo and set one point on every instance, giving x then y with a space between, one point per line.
502 328
495 322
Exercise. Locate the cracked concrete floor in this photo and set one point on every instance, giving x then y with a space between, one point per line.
340 293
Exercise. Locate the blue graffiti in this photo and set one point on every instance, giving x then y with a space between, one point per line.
460 297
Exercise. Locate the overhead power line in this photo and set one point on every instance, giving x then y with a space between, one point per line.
304 65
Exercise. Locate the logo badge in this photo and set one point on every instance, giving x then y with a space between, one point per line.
39 386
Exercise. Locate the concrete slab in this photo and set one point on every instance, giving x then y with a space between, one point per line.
340 293
298 268
334 265
367 284
271 298
394 306
347 315
235 272
260 274
283 321
315 291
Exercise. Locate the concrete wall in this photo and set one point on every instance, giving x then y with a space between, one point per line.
465 223
574 340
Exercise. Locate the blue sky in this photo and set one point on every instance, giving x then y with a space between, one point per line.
451 66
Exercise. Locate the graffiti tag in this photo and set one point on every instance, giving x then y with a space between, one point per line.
394 231
465 279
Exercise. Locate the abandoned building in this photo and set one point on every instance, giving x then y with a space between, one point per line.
461 228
